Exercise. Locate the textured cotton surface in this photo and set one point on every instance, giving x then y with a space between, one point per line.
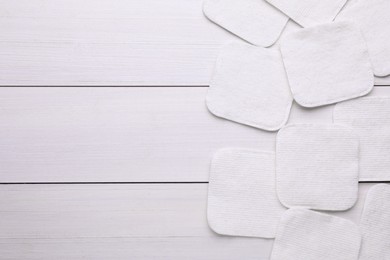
370 118
327 64
317 166
309 12
249 86
308 235
373 18
256 21
375 224
242 198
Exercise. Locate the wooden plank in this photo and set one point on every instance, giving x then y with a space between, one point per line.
112 134
119 222
114 222
120 134
382 81
104 42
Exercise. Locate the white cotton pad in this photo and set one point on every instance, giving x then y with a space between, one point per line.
309 235
370 119
242 198
255 21
309 12
326 64
375 224
373 18
249 86
317 166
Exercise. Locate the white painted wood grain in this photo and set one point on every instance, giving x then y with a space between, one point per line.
382 81
119 222
105 42
113 134
114 222
99 134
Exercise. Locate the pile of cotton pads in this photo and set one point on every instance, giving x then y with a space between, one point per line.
332 60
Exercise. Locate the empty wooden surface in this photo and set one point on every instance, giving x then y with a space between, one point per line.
108 42
113 135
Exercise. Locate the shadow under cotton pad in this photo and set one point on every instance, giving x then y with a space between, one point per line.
309 12
255 21
242 198
370 119
373 18
317 166
308 235
249 86
375 224
326 64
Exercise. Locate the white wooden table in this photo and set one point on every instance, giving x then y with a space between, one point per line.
105 140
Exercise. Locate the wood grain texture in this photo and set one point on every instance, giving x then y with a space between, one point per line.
121 134
382 81
104 42
113 134
120 222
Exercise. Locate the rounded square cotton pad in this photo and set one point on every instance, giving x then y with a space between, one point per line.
317 166
327 64
309 12
373 18
249 86
375 224
309 235
370 119
242 198
255 21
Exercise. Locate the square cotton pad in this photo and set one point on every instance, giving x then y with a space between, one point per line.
309 12
242 198
249 86
309 235
317 166
373 18
370 119
326 64
375 224
255 21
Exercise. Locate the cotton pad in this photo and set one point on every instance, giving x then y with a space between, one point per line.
242 199
255 21
327 64
308 235
373 18
309 12
249 86
317 166
370 118
375 224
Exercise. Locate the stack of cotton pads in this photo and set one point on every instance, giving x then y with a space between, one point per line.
332 60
